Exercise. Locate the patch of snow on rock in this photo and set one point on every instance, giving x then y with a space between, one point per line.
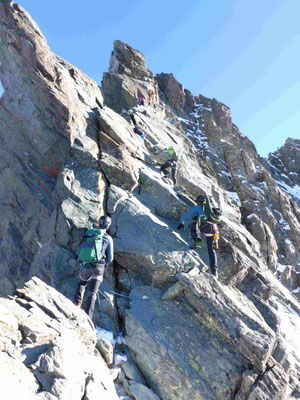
107 335
293 191
289 326
280 267
234 196
1 88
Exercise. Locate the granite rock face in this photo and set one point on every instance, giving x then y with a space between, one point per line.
210 342
68 154
48 348
285 163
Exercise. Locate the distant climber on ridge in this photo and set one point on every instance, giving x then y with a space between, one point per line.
205 218
95 253
141 101
151 97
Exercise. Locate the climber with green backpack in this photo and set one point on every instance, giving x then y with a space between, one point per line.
171 162
95 253
205 220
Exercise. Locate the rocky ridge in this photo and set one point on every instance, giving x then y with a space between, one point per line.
68 153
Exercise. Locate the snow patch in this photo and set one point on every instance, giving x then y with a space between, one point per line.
107 335
289 326
292 191
225 173
225 141
285 176
186 121
251 215
234 196
292 310
118 358
1 88
257 189
280 268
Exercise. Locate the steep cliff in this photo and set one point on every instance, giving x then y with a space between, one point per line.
69 153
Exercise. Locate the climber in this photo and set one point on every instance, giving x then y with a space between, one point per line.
141 101
137 129
171 162
151 97
206 216
95 253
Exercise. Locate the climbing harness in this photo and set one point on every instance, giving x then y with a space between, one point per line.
210 230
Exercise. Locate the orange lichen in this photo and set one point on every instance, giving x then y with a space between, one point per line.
53 168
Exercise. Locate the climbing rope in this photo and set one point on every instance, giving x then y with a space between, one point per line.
118 332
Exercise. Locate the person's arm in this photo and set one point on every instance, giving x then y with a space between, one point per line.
175 156
192 211
109 252
133 119
212 201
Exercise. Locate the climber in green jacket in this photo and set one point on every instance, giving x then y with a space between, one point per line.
172 160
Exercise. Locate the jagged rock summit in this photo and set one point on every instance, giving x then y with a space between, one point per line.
68 155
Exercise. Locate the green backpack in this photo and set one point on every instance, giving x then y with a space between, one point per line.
90 249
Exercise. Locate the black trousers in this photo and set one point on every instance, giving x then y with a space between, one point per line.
91 276
211 246
173 165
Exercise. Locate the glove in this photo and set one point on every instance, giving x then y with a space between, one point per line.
180 226
143 137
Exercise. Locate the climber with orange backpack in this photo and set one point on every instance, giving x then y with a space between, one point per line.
151 97
95 253
205 220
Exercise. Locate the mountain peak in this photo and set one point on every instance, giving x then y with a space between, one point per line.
69 153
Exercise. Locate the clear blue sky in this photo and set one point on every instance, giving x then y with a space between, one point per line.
245 53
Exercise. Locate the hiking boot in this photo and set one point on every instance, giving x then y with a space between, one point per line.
215 274
195 245
166 180
178 188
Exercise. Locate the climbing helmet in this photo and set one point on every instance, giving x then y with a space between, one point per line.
200 199
104 222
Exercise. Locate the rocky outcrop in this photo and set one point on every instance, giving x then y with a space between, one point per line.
49 154
285 163
177 344
268 203
128 78
69 155
48 348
